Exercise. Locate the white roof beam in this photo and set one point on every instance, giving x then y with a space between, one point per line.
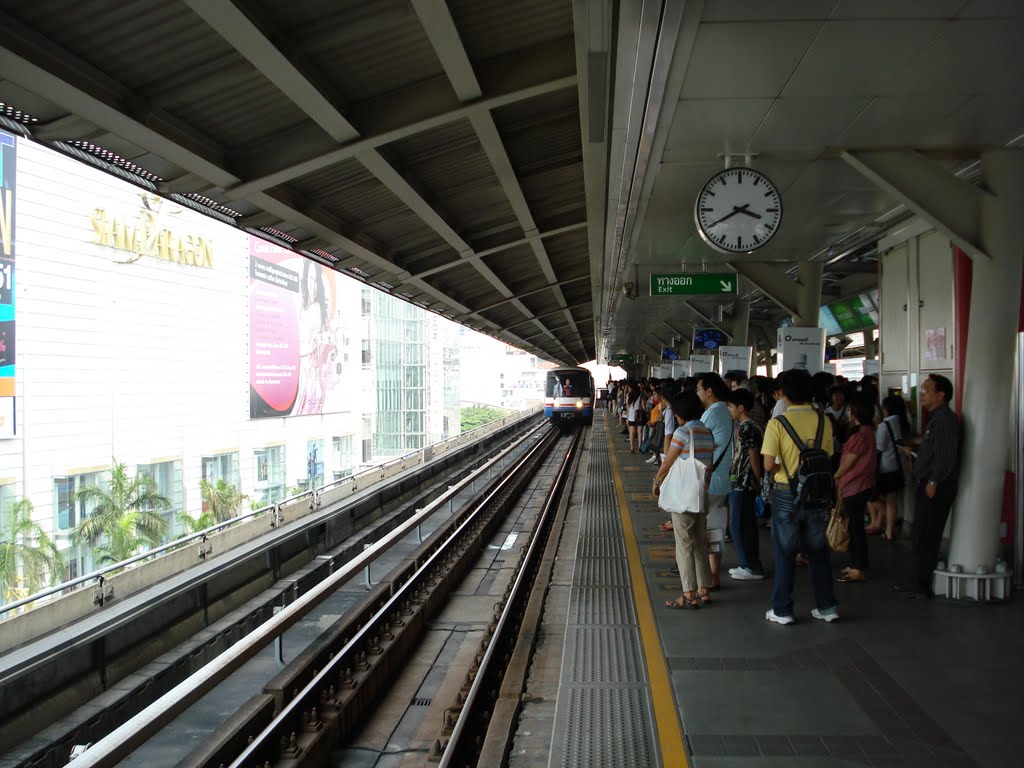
950 204
231 23
440 27
771 279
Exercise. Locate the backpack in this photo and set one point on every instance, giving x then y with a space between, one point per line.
814 486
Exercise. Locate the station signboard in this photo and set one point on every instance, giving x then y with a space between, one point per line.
695 284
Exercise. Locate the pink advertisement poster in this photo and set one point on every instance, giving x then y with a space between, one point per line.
293 356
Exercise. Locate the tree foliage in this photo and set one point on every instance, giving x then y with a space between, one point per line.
221 500
29 559
127 513
478 415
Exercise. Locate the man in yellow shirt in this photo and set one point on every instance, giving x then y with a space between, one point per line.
795 528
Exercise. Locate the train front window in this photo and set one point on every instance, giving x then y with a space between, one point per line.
568 385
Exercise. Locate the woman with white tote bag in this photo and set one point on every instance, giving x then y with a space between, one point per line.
681 489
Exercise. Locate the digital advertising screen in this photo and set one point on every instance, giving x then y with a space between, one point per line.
708 338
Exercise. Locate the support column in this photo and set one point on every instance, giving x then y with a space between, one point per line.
808 297
741 324
994 317
870 344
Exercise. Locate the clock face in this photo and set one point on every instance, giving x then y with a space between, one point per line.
738 210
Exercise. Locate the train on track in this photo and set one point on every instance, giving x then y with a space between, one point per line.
569 397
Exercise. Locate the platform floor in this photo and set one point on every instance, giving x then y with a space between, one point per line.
893 683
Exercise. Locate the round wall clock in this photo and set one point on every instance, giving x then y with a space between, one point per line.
738 210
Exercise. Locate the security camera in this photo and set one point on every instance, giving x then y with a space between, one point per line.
630 290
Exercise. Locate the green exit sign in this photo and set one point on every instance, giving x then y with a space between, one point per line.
696 284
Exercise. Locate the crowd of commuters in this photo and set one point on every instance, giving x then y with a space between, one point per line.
766 452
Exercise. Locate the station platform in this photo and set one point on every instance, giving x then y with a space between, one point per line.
621 680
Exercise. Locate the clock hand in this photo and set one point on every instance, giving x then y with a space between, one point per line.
735 209
755 215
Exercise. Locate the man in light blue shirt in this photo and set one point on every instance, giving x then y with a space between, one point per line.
711 390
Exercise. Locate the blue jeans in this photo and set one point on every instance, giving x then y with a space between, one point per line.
743 527
794 530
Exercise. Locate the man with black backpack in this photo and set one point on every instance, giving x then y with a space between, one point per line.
797 447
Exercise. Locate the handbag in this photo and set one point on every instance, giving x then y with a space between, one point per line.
837 532
684 488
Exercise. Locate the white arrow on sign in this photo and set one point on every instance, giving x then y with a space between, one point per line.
726 286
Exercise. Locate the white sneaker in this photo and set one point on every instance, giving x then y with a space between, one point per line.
745 574
829 614
773 616
651 460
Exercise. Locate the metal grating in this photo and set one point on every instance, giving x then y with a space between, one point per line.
608 727
607 655
601 572
603 714
600 546
601 605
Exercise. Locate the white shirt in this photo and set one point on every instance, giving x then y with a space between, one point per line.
779 409
888 456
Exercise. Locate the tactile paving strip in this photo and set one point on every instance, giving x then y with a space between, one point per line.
603 716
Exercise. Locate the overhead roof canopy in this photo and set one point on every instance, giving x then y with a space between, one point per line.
511 164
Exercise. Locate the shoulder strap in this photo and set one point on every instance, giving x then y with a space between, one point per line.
821 431
792 432
892 439
796 439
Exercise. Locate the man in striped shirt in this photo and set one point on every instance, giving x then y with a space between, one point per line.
936 471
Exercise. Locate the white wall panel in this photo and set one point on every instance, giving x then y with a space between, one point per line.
139 361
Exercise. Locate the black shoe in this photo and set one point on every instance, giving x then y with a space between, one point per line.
673 569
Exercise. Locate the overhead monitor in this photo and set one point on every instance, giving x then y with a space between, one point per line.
828 321
708 338
667 353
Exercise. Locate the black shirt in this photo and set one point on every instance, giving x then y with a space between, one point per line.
938 458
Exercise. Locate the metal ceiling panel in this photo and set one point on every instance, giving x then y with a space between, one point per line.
892 121
816 122
555 197
858 58
517 268
904 9
494 27
569 256
746 59
449 165
992 9
754 10
363 50
702 128
467 282
966 58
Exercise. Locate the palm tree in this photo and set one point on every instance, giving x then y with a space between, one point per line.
121 541
191 524
128 511
222 500
27 554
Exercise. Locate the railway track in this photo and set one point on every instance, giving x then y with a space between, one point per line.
319 699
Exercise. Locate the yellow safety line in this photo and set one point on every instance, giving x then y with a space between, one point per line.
666 715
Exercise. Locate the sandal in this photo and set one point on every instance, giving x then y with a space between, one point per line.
665 526
705 599
688 603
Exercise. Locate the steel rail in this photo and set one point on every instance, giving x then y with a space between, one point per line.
122 741
456 748
299 719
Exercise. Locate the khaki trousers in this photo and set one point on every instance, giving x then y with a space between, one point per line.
690 532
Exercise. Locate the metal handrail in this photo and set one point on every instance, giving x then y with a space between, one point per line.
122 741
378 469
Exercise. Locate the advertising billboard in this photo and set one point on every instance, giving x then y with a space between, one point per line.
7 284
294 362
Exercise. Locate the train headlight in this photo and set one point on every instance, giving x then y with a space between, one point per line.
579 403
